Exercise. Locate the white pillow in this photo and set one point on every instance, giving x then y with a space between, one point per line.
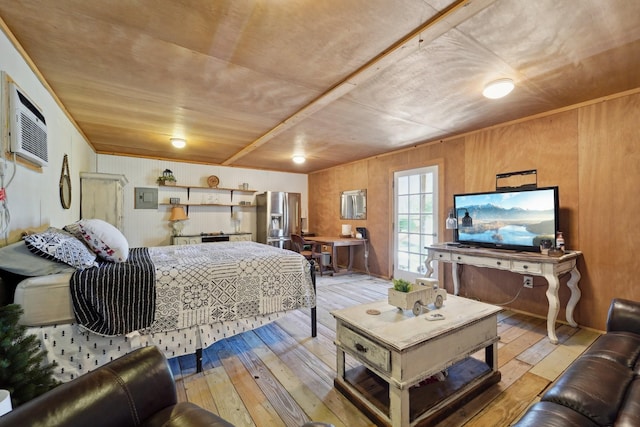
104 239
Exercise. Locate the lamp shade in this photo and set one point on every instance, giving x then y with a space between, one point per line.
452 221
178 214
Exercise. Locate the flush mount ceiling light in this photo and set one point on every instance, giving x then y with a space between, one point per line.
298 159
498 88
178 142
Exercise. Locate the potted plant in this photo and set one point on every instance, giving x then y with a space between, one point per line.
166 178
398 295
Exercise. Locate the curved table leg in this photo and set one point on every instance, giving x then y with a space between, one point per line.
427 263
575 295
552 315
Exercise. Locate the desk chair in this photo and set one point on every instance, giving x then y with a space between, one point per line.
313 253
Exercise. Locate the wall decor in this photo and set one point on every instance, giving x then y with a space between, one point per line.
65 184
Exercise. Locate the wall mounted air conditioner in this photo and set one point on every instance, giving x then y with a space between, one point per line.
27 127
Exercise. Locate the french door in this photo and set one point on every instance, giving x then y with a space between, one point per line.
415 220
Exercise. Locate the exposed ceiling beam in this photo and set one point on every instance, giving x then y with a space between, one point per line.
430 30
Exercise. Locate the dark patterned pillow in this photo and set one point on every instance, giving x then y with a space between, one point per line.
56 244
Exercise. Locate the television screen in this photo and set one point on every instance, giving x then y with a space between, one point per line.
513 219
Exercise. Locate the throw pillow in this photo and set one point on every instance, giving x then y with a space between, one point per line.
58 245
104 239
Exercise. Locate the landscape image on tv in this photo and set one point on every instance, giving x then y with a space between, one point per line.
520 218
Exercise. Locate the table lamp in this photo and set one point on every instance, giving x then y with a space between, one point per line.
177 216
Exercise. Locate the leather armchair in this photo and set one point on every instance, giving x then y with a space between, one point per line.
137 389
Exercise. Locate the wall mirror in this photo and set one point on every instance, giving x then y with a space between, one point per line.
353 204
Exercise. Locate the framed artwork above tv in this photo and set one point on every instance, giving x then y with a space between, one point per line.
515 219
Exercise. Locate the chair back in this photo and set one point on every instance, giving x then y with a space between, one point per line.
298 242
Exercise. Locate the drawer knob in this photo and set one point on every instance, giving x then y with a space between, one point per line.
459 258
361 348
525 266
499 263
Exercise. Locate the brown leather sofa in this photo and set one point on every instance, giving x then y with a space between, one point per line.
137 389
602 386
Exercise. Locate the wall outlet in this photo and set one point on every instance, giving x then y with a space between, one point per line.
527 282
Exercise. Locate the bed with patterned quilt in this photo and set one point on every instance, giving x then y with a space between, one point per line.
180 298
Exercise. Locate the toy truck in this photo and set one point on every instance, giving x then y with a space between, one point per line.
426 291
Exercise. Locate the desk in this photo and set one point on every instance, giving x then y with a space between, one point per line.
528 263
335 243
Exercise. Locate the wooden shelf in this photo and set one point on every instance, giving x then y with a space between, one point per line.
208 204
199 187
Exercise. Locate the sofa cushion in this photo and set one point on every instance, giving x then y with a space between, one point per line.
629 414
549 414
593 386
620 347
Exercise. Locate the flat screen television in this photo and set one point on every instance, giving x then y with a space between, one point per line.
516 219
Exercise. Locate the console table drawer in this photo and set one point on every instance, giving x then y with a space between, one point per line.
526 267
476 260
365 349
442 256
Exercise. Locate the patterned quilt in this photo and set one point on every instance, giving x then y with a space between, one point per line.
213 282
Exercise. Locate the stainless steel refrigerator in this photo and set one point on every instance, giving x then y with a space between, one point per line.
278 215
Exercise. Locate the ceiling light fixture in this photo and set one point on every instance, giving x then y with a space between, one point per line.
178 142
498 88
298 159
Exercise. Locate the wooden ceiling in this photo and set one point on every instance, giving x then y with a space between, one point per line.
250 83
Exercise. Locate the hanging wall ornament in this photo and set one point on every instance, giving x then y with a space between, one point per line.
65 184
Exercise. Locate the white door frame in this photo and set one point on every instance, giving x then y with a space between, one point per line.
435 170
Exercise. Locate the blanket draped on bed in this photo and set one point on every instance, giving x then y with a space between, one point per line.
215 282
116 298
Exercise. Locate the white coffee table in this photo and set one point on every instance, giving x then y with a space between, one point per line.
400 353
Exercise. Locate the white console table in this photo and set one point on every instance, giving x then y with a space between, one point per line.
533 264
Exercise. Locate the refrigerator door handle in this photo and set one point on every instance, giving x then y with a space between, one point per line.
285 212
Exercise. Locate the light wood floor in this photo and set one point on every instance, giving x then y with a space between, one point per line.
278 375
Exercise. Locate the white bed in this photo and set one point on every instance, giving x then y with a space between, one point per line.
230 287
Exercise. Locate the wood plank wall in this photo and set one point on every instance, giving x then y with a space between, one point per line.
592 152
